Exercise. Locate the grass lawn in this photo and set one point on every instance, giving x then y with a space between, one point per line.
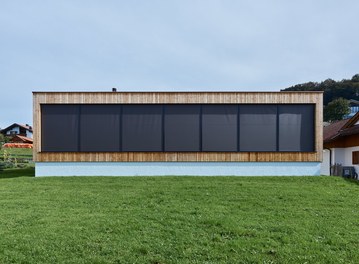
178 219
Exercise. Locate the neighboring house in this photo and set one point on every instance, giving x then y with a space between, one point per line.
21 139
18 129
341 144
177 133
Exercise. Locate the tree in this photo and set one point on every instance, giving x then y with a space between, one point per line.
355 78
2 138
346 88
336 109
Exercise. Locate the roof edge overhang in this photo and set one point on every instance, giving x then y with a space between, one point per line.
111 92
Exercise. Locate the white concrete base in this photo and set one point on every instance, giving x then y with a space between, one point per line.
176 168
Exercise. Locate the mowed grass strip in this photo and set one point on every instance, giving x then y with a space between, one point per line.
178 220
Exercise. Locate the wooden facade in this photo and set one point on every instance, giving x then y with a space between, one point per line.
178 98
343 142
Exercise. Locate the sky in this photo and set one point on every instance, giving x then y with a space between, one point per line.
177 45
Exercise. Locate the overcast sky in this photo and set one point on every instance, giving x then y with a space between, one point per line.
184 45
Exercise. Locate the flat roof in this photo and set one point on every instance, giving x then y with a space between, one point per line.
111 92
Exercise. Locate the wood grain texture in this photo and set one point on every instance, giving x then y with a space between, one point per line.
344 142
178 98
179 156
319 127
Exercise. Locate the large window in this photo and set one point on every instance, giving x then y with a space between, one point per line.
258 128
142 128
182 128
177 127
219 128
296 127
60 127
100 127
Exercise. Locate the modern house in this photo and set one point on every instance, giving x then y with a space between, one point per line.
341 144
18 129
177 133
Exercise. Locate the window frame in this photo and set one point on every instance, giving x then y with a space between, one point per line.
355 157
201 105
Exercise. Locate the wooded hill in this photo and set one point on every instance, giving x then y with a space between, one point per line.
346 88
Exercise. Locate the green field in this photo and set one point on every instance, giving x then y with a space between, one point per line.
26 152
177 219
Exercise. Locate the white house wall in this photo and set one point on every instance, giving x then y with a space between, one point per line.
325 165
348 158
14 130
343 156
338 156
28 134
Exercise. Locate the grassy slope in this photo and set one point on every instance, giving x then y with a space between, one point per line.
26 152
18 156
178 220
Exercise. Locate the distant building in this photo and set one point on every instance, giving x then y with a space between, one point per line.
17 129
341 144
354 108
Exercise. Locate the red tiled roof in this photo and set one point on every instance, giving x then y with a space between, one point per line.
17 145
24 139
26 126
350 131
341 128
332 131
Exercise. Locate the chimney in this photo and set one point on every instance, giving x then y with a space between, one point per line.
114 90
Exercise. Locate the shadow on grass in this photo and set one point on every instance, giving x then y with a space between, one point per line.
18 172
352 181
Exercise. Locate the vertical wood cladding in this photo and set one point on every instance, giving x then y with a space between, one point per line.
177 98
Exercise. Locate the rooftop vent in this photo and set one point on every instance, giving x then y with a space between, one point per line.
114 90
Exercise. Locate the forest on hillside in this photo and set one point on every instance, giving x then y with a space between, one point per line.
346 88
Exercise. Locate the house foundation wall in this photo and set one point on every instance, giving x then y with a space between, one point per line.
177 168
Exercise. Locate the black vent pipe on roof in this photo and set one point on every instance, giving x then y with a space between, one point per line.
114 90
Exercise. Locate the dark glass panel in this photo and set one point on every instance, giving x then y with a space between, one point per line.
257 127
100 128
142 128
182 127
219 127
296 128
60 124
